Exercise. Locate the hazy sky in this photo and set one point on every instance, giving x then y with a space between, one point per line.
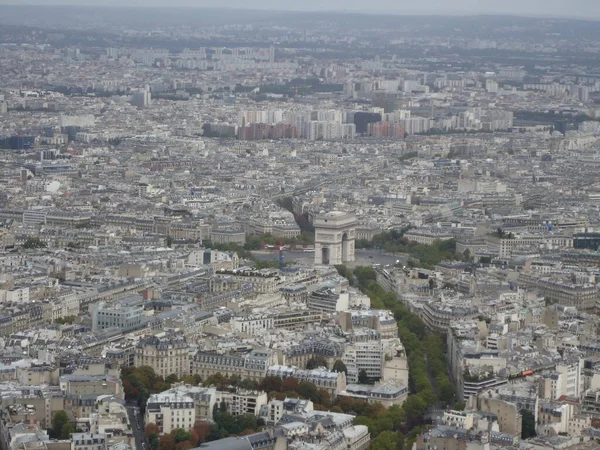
570 8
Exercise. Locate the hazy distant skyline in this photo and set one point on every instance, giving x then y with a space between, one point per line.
589 9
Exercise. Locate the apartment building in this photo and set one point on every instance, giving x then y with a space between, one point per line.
167 353
82 385
88 441
368 356
382 321
321 377
327 300
566 380
252 366
264 281
296 319
170 410
508 247
388 393
299 355
427 237
296 293
508 414
14 295
253 324
563 291
438 315
126 314
275 409
242 401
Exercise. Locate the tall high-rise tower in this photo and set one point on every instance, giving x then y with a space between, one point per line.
272 54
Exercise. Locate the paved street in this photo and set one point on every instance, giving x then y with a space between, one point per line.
137 424
363 257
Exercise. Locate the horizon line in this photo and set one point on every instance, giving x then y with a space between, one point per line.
385 12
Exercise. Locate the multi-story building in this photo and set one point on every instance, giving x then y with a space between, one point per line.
86 385
38 374
253 324
508 247
127 314
252 366
296 293
227 236
427 237
167 353
367 356
264 281
566 380
170 411
242 401
14 295
275 409
328 300
563 291
88 441
439 315
508 414
381 321
388 393
296 319
299 355
322 378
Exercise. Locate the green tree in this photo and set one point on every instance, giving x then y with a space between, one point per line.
166 442
59 420
363 378
65 320
345 272
316 361
414 406
171 379
216 379
528 425
246 384
289 384
339 366
270 383
286 203
34 243
364 274
66 431
180 435
310 391
152 433
466 255
459 406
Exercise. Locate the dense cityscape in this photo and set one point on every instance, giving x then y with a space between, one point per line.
257 230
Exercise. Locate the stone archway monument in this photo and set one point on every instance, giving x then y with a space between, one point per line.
335 233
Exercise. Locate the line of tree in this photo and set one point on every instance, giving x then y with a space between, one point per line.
255 243
429 382
393 428
287 203
379 241
428 255
65 320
